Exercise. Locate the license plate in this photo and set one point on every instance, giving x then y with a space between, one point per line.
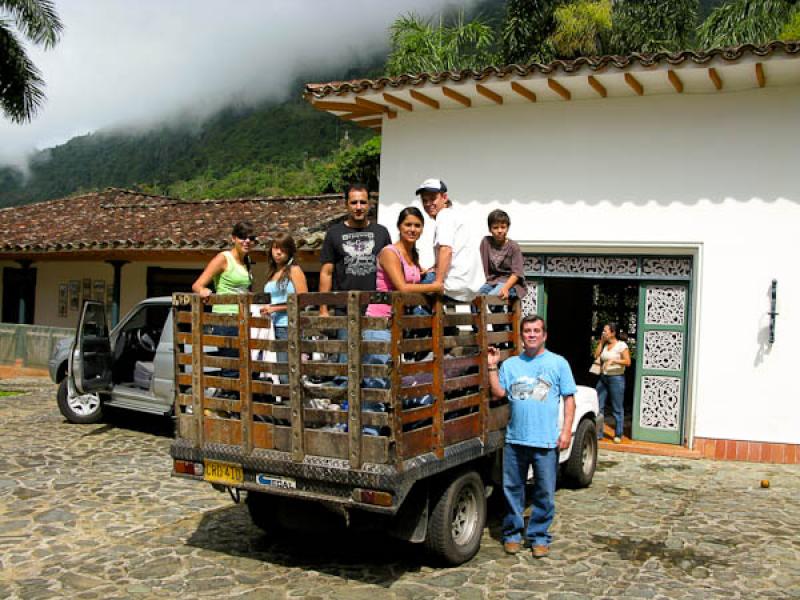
225 473
286 483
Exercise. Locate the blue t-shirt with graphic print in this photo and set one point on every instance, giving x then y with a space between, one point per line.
535 386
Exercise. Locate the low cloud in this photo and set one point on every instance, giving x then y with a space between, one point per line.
135 64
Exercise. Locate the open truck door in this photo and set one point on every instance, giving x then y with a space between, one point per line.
90 359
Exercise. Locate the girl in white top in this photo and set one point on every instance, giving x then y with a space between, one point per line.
614 356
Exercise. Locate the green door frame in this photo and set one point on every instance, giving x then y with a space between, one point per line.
666 428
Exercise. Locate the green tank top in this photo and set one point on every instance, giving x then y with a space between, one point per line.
235 279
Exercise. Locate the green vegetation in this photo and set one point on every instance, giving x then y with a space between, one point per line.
4 393
21 86
653 25
421 45
582 28
791 30
745 21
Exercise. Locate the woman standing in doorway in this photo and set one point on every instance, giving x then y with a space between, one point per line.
614 356
283 278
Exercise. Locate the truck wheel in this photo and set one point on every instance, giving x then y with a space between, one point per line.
582 461
79 408
456 523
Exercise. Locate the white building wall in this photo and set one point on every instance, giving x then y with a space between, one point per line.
711 175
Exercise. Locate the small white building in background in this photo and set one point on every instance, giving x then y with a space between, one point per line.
661 190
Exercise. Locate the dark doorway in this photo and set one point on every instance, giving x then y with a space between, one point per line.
19 295
569 324
577 309
165 282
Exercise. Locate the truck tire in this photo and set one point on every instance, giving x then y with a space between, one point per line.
80 408
262 511
580 466
457 519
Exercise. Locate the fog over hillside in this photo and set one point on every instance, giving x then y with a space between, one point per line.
136 64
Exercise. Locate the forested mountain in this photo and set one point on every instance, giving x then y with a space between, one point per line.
283 135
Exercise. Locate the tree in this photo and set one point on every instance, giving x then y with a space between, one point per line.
418 45
582 28
791 31
745 22
21 84
527 25
653 25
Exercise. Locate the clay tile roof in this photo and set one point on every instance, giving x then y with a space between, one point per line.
124 219
592 64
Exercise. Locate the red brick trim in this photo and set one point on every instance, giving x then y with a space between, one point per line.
744 450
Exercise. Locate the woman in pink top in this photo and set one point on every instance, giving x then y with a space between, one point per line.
398 270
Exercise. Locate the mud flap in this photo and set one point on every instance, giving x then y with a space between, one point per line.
411 521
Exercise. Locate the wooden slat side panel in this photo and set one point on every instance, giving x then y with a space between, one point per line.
262 435
437 433
498 417
417 441
295 386
462 428
197 382
396 437
222 431
354 344
245 371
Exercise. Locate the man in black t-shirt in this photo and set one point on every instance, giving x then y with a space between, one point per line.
350 250
349 255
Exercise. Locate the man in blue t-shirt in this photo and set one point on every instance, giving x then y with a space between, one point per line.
534 382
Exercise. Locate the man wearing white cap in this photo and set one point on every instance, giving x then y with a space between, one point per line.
456 250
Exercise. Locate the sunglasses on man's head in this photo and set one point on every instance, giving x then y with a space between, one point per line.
252 238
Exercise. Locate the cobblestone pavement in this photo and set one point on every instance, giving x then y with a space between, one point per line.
89 511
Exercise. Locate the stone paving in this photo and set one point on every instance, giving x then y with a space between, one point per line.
90 511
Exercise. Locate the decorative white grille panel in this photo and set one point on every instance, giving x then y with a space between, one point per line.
606 265
530 300
665 305
663 350
676 267
660 402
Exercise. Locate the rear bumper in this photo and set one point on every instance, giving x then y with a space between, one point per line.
330 479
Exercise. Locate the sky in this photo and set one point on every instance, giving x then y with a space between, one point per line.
131 64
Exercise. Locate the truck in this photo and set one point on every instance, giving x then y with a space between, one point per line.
410 443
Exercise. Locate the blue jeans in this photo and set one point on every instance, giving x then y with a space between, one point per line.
516 460
614 386
493 289
228 330
282 333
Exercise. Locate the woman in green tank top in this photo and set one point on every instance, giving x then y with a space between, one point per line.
230 272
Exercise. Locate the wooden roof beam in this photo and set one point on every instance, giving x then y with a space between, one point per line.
487 93
369 122
398 102
597 86
559 89
714 77
675 81
427 100
634 84
760 77
523 91
370 105
353 116
458 97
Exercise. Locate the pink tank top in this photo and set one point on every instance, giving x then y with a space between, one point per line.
384 284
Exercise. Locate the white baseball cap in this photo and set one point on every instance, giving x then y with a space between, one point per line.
432 185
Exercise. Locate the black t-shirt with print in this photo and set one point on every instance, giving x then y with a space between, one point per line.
353 253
